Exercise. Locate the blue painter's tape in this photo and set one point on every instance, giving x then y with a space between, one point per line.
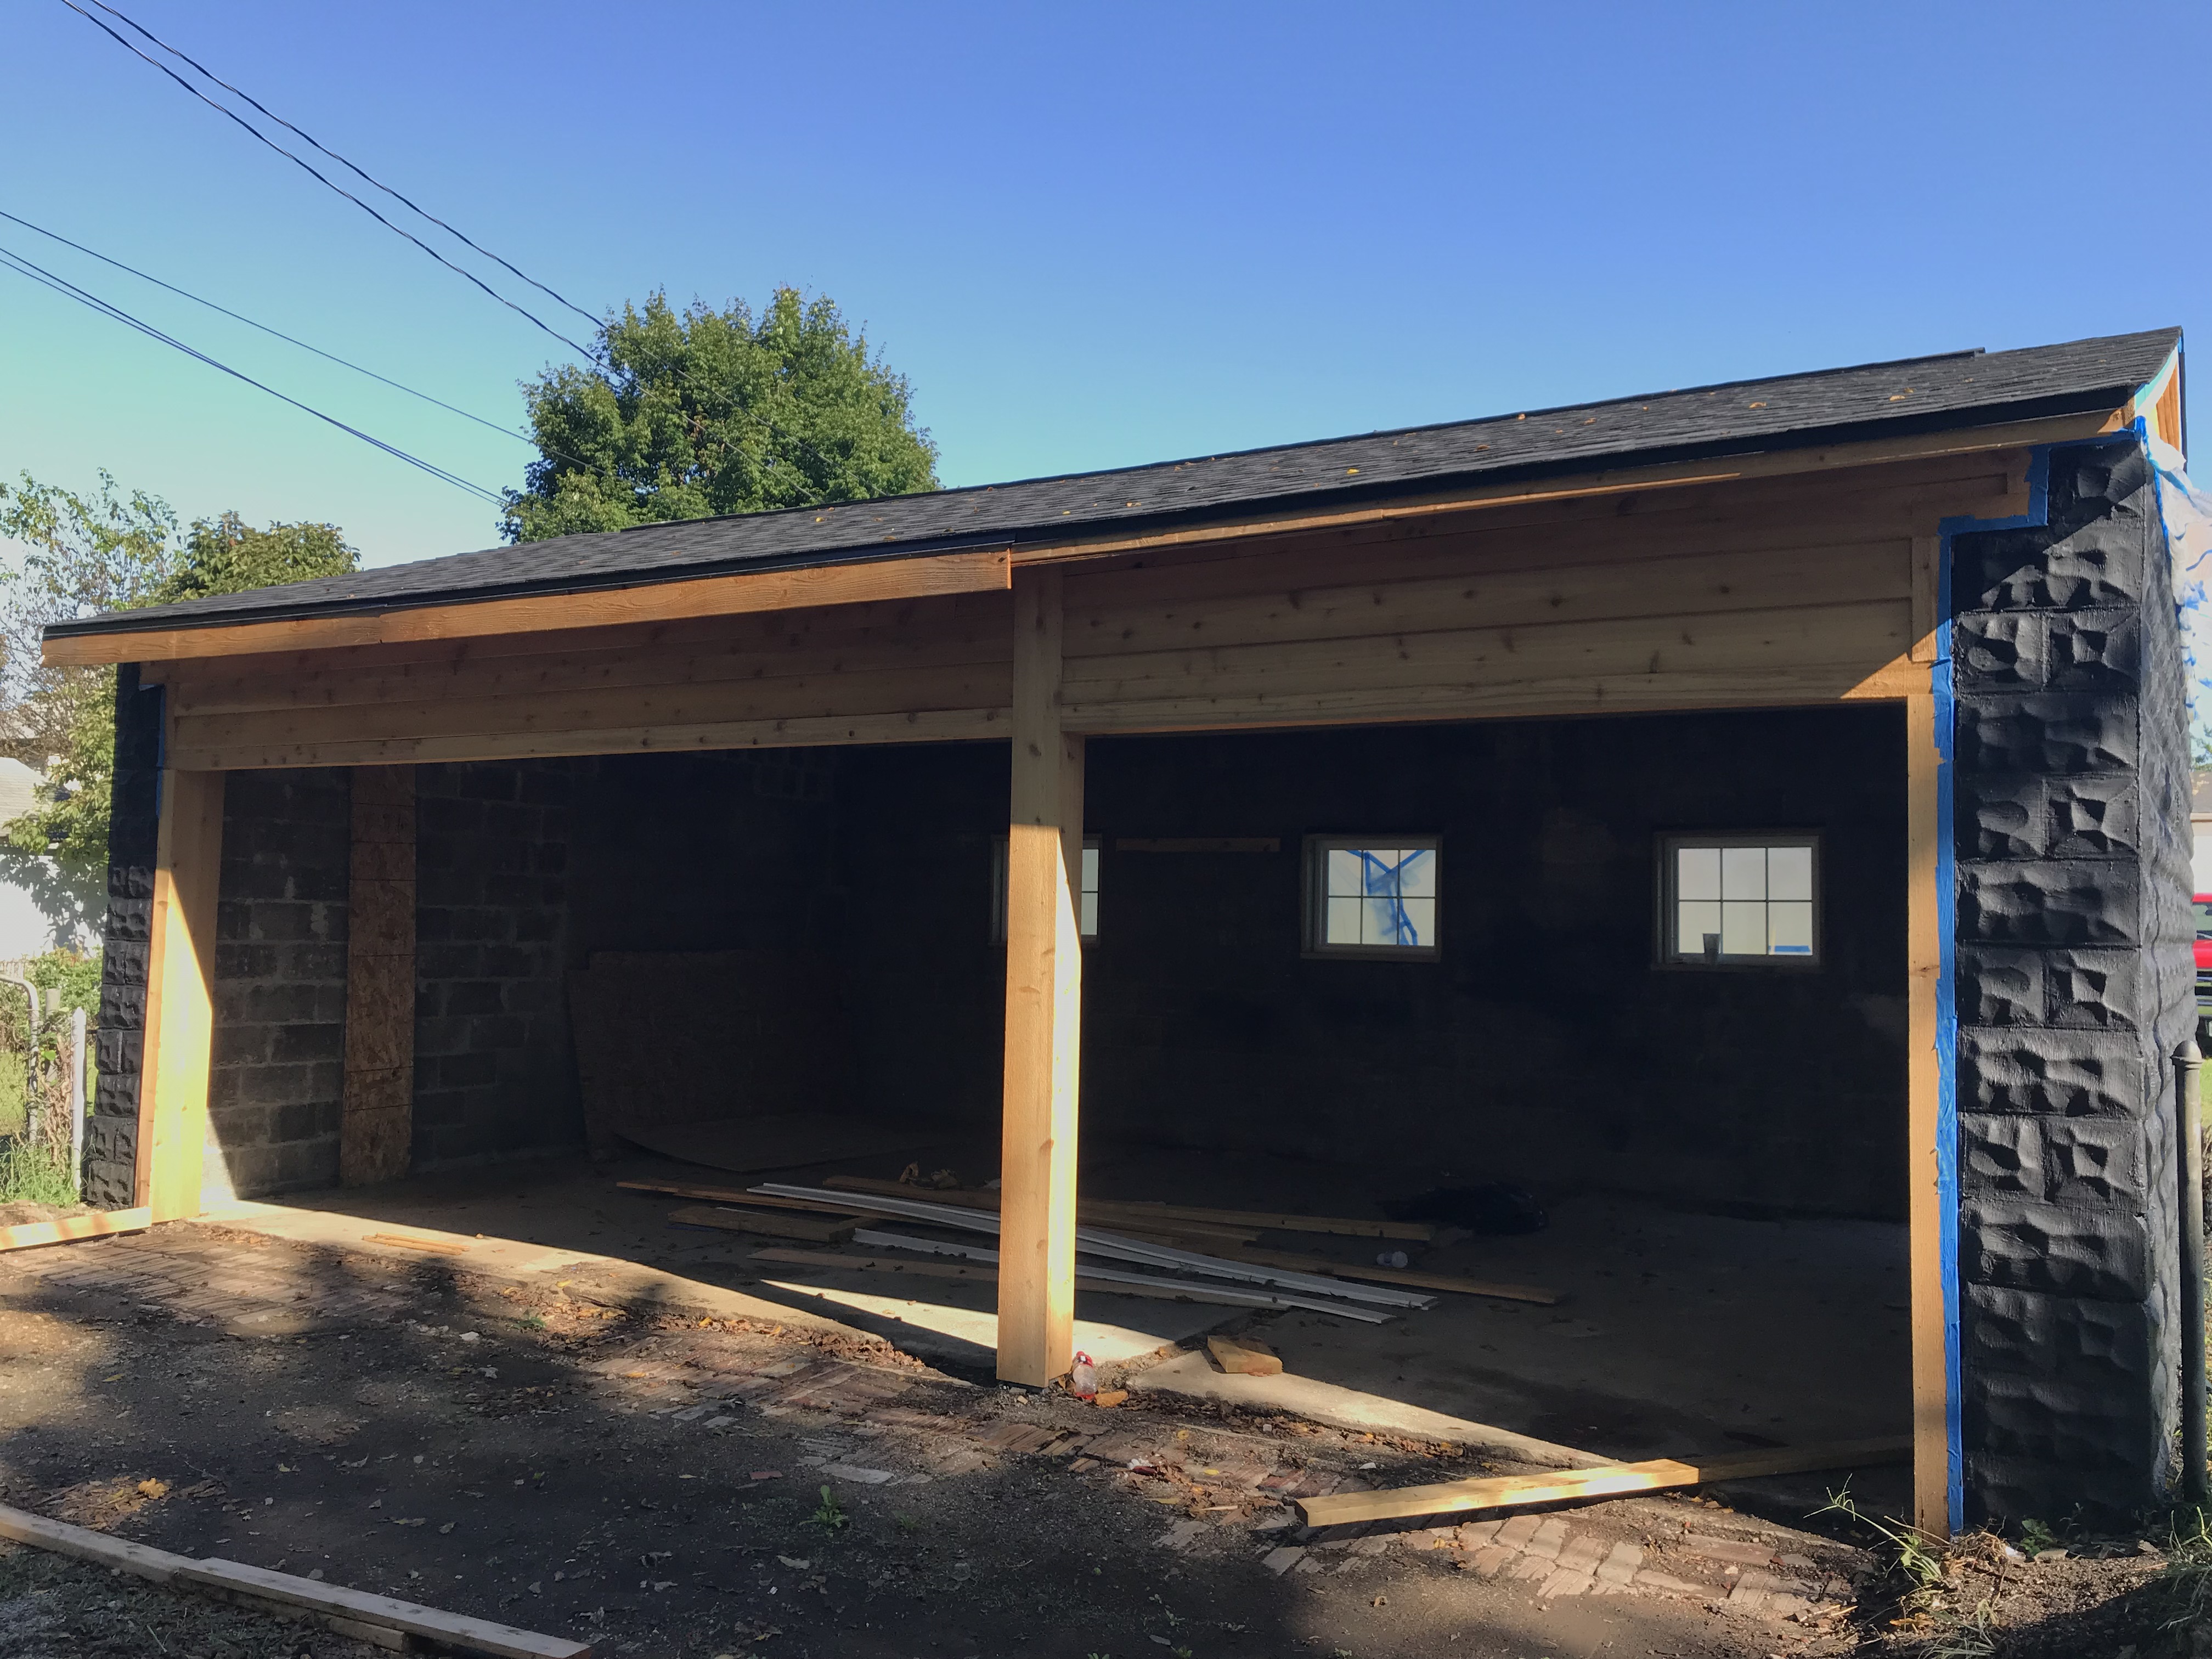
1947 996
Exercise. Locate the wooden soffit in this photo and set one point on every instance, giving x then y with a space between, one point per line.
970 572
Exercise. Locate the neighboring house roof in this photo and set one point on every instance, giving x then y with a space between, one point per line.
18 789
1875 400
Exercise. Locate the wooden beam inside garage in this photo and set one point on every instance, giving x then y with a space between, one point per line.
1044 996
173 1101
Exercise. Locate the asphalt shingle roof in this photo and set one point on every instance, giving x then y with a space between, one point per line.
1919 394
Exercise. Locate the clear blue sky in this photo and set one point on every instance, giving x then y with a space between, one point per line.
1090 236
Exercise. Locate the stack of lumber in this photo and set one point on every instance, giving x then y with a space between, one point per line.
1209 1254
1235 1232
1112 1257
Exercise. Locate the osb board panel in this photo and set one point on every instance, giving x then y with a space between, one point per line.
376 1115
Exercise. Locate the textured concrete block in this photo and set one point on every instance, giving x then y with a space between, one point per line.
2017 1243
1999 987
2002 1154
2000 814
2050 901
2046 732
2093 989
2033 1335
2103 1163
2092 816
1999 650
2093 651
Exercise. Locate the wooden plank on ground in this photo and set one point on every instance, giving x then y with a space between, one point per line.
409 1241
1107 1211
99 1225
453 1629
1516 1491
1256 1295
21 1527
739 1195
766 1222
1411 1277
1244 1356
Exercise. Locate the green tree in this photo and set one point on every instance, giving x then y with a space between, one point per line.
704 412
226 555
105 552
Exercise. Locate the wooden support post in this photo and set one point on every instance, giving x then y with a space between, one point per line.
172 1086
1044 998
376 1121
1931 1346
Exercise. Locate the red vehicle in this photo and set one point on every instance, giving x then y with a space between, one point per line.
2204 951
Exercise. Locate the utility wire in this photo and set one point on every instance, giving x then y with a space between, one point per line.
23 267
309 168
328 357
343 161
278 333
598 357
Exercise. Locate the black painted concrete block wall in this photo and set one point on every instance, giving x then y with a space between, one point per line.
276 1073
111 1131
495 1075
1544 1045
2073 985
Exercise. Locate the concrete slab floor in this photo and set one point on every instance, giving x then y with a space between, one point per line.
1678 1332
573 1204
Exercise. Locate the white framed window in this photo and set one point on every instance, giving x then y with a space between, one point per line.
1372 896
1740 900
1086 897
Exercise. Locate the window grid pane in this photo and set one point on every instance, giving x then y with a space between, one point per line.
1742 901
1378 897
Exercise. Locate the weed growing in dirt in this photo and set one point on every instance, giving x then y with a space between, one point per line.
34 1175
2035 1537
2188 1577
1969 1639
831 1516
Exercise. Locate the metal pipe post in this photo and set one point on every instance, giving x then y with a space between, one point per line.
2189 1150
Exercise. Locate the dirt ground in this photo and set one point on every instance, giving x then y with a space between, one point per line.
655 1484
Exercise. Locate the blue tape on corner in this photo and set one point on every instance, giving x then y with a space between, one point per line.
1946 997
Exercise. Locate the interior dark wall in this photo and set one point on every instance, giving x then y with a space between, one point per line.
728 851
1544 1045
495 1074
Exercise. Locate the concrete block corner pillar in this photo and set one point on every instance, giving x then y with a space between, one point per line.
376 1123
1044 998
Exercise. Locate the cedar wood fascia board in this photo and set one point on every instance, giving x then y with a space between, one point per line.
139 637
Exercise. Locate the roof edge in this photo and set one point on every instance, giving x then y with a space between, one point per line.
1314 504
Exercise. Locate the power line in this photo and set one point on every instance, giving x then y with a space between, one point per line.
310 169
23 267
602 359
350 166
276 333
